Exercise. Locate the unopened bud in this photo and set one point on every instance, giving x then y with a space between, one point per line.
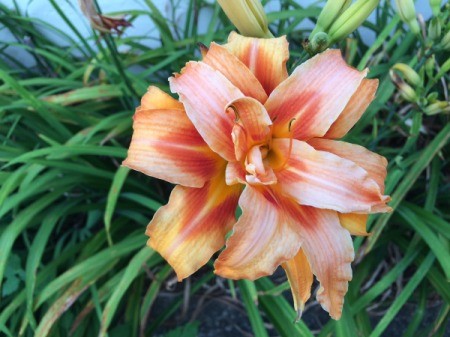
329 13
405 90
432 97
248 17
408 73
319 42
407 13
351 19
434 29
435 6
430 66
436 108
445 42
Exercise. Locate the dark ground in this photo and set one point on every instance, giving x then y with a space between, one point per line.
219 315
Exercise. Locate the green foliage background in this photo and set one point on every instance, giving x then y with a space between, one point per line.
73 259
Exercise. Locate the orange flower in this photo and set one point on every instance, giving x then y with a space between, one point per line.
245 132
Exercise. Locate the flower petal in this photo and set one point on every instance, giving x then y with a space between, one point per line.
192 226
324 180
373 163
205 93
329 250
155 98
354 223
354 109
235 173
266 58
219 58
166 145
262 239
252 127
300 278
314 96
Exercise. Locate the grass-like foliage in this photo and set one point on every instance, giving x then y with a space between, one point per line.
73 260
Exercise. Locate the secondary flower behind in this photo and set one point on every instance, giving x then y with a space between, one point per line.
244 132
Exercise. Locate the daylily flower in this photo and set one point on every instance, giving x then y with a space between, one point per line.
244 132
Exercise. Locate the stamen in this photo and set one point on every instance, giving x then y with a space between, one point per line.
290 124
237 117
203 49
291 140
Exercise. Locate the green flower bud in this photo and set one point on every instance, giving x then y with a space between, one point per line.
248 16
430 66
405 90
434 29
351 19
408 73
435 6
319 42
329 14
432 97
445 42
436 108
407 13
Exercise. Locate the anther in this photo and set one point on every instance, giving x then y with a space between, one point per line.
237 117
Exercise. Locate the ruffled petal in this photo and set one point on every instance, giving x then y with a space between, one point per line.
166 145
155 98
262 239
373 163
266 58
300 278
354 223
235 173
324 180
329 249
219 58
313 97
354 109
205 93
252 127
192 226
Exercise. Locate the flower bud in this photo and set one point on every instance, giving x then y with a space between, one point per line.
407 13
435 6
405 90
430 66
445 42
408 73
436 108
319 42
248 17
434 29
329 13
351 19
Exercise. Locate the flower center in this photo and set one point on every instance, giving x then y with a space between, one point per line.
258 167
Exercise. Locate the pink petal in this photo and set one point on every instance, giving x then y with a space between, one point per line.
324 180
219 58
166 145
329 250
262 239
192 226
373 163
205 93
252 127
266 58
355 108
313 97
